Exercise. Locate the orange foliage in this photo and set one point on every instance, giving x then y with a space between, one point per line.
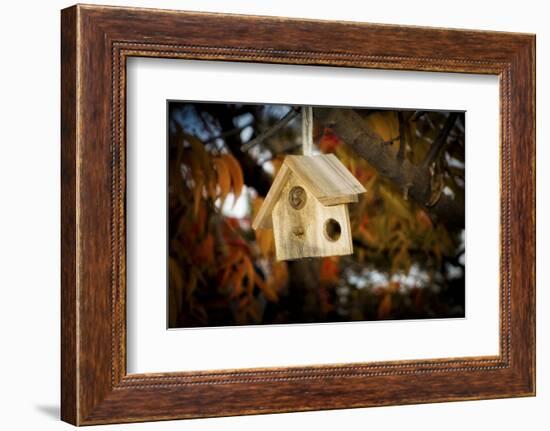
210 246
236 174
204 252
330 271
224 176
329 141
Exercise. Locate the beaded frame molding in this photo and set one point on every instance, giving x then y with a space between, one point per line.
95 43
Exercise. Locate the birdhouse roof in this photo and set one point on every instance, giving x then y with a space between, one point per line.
324 176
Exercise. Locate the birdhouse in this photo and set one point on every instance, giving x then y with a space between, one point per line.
307 207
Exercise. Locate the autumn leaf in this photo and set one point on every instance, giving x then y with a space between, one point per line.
395 203
256 205
199 152
385 124
329 141
267 289
367 235
423 219
223 279
237 281
204 253
232 258
329 270
393 286
198 225
224 177
250 273
277 163
236 173
265 240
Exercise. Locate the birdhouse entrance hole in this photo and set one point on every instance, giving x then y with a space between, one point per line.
333 230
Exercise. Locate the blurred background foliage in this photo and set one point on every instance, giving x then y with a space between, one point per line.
405 264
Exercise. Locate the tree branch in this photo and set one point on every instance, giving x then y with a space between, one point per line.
441 140
228 133
402 137
417 115
290 115
353 130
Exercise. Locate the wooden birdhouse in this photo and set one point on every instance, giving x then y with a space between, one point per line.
307 207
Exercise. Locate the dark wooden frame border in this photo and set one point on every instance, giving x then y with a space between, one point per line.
95 43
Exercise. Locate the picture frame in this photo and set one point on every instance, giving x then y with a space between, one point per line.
96 42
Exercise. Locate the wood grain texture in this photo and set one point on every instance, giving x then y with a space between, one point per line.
69 364
326 177
300 232
263 219
96 41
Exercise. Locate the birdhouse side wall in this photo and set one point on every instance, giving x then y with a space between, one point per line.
301 233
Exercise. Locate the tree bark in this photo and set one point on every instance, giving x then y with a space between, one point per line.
413 180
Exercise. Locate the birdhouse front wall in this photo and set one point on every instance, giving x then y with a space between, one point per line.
304 227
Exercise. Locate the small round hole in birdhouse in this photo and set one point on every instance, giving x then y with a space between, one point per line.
297 197
332 230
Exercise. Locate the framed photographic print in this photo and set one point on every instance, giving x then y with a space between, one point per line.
270 215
